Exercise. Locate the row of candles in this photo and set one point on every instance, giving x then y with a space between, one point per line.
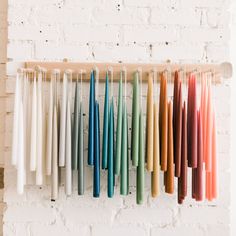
180 135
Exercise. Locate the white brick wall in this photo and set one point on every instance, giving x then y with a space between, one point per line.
130 31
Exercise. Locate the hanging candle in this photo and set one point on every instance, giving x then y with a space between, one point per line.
124 172
91 128
68 182
105 125
110 189
63 122
182 180
96 176
54 179
49 131
169 185
33 145
16 121
119 129
141 164
178 131
75 140
149 125
135 121
163 122
39 168
156 156
81 152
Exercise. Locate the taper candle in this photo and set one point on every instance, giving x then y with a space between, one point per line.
105 125
135 120
124 172
149 125
68 173
81 152
141 163
214 160
49 131
63 123
110 179
92 107
75 140
155 178
54 179
96 161
169 186
119 129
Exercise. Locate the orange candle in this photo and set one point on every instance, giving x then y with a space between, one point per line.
149 125
214 161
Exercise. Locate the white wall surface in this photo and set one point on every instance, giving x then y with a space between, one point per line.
129 31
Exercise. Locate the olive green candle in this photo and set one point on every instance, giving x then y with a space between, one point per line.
135 121
119 130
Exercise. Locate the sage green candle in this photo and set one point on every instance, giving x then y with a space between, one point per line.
81 152
135 121
124 171
119 130
75 139
141 163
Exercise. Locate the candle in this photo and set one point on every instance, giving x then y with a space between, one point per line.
169 186
91 121
182 180
68 182
208 146
16 121
96 161
178 132
135 121
49 131
156 156
54 180
141 164
75 140
105 125
199 177
124 177
175 101
110 189
214 160
20 154
39 168
81 152
119 129
163 122
149 125
63 122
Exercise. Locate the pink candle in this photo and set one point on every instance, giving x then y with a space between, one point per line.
214 161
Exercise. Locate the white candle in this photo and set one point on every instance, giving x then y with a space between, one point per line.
16 122
39 168
63 122
33 128
54 187
49 132
20 154
68 183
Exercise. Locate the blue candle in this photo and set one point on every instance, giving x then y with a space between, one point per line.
96 173
110 180
91 121
105 125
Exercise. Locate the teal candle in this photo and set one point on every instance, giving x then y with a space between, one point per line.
91 121
75 139
81 152
105 125
124 171
96 169
141 164
110 189
119 129
135 121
